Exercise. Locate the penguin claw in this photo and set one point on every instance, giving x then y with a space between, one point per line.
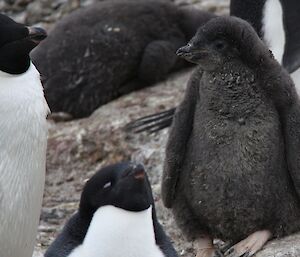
233 253
223 248
218 253
249 246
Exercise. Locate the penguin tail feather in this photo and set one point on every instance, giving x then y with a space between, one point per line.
151 123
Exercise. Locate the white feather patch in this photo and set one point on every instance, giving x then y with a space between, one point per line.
114 232
23 141
296 77
273 29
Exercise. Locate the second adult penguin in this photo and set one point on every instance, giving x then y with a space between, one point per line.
116 217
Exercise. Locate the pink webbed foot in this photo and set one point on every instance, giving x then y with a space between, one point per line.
249 246
204 247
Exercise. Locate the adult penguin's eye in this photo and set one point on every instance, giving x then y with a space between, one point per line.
107 185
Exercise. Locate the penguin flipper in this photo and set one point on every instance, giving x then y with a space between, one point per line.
70 238
158 59
152 123
291 57
178 138
291 130
291 61
280 88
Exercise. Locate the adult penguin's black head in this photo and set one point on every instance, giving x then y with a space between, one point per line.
123 185
16 42
222 39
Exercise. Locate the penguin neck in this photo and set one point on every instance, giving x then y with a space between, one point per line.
273 28
23 140
16 63
231 91
116 232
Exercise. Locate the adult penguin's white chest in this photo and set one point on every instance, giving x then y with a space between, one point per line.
115 232
23 142
274 33
273 28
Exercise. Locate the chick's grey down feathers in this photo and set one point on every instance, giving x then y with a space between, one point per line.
111 48
253 12
232 164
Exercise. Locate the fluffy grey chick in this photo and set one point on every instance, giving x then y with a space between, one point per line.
276 22
99 53
231 169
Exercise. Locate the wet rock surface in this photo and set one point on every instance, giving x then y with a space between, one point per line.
77 149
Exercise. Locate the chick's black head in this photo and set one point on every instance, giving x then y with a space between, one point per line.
220 40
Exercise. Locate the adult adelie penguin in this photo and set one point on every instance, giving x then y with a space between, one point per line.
116 217
232 167
277 23
23 139
111 48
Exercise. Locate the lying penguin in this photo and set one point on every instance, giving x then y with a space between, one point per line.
232 160
276 22
116 217
111 48
23 139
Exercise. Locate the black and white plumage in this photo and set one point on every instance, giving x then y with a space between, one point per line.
231 166
276 22
23 139
116 217
111 48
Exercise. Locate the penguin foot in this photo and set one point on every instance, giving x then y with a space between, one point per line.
205 248
249 246
209 252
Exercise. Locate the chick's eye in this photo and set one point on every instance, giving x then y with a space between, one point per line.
108 184
219 45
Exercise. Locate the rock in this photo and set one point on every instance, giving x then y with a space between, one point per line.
38 253
49 11
285 247
77 149
216 6
42 12
46 12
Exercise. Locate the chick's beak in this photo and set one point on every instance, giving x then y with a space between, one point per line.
37 34
184 51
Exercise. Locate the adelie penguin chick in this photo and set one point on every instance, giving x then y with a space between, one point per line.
116 217
23 139
277 24
231 169
111 48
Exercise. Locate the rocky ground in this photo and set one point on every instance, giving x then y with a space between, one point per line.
77 149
